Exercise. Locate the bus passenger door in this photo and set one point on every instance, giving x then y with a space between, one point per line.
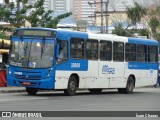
61 74
116 69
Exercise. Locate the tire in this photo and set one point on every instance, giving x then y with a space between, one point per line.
31 91
129 87
95 91
72 87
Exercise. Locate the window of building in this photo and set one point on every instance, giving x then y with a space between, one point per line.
130 52
152 53
77 48
118 51
105 50
142 53
92 49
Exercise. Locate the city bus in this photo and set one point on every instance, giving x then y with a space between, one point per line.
52 59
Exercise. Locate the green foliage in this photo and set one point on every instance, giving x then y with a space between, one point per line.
53 23
37 18
143 32
3 35
136 13
40 18
18 18
120 31
154 23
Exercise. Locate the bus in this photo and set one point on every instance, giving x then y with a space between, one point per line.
51 59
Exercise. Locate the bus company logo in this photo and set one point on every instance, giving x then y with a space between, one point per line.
107 70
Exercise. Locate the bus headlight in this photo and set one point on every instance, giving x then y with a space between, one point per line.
48 75
9 72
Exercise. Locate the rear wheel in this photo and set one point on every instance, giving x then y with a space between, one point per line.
72 86
95 91
31 91
129 87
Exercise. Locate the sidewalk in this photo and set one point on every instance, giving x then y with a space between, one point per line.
12 89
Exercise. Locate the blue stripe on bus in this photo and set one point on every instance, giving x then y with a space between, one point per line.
142 65
142 41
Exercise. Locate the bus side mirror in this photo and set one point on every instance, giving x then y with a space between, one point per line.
57 51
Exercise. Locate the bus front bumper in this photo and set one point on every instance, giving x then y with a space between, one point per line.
47 83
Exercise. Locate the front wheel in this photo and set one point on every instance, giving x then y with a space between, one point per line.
31 91
72 86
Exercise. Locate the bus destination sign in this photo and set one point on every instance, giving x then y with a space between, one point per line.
42 33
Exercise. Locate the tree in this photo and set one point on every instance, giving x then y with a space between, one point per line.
15 14
38 12
136 13
154 21
53 23
39 17
119 30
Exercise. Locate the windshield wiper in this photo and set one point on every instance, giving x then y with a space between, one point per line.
42 46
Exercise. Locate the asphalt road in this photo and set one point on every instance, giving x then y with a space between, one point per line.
143 99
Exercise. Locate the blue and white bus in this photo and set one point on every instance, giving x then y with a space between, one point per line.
44 58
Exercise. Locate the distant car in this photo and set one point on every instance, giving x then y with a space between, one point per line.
3 81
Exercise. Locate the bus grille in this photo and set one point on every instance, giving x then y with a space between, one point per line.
27 77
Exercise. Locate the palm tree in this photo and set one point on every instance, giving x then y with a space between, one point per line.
136 13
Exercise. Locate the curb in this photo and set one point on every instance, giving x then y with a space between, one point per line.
11 90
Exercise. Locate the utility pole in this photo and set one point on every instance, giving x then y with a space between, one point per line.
107 16
101 16
106 13
90 3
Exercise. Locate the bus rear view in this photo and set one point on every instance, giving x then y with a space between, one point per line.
31 59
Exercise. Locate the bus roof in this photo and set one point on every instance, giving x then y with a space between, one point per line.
98 36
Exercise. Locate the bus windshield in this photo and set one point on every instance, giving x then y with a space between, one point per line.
32 53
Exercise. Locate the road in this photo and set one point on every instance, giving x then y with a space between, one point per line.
143 99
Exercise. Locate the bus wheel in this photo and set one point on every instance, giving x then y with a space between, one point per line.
95 91
31 91
72 86
129 87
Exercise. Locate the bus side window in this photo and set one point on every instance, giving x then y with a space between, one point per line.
152 53
118 51
63 51
130 52
142 53
92 49
105 50
77 48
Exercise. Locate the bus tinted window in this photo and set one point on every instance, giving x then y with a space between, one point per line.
77 48
105 50
152 53
130 52
92 49
118 51
63 51
142 53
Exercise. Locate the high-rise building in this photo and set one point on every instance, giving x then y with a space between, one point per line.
58 5
83 11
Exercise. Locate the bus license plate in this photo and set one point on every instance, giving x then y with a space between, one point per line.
26 83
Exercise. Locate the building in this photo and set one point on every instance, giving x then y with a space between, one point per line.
83 11
58 5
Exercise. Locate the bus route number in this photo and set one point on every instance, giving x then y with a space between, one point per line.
75 65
